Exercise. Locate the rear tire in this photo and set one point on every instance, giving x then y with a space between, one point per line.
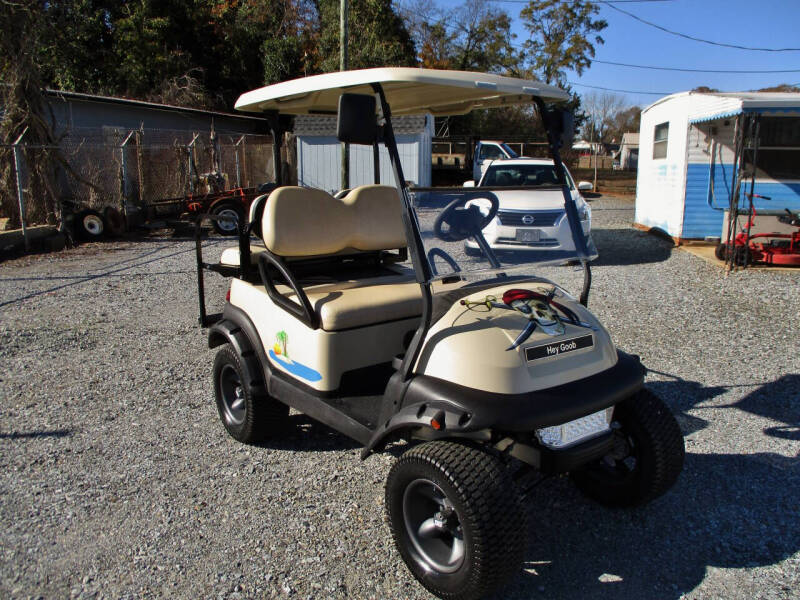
247 412
456 519
647 457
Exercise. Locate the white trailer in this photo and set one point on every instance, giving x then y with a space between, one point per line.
686 159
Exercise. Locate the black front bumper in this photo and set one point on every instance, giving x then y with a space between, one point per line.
526 412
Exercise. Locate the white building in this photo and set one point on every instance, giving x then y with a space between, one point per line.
319 153
629 151
686 159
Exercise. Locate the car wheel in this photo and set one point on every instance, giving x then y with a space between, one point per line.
234 215
647 456
456 519
247 415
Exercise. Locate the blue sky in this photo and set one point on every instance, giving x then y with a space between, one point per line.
765 23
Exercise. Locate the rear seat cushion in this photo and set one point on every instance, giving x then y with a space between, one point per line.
230 256
348 304
309 222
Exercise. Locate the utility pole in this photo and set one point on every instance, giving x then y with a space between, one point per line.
343 65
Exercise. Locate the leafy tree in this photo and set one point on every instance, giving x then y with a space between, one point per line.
783 87
377 36
476 38
563 34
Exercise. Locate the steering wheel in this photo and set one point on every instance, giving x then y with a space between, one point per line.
434 253
463 222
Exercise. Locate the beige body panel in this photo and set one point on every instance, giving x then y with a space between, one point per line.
469 347
328 353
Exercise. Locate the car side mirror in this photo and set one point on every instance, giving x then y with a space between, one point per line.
585 186
356 123
470 183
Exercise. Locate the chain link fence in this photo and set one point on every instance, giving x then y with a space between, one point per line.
129 171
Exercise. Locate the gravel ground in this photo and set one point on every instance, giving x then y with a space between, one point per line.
118 481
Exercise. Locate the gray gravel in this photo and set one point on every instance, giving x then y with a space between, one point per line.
118 481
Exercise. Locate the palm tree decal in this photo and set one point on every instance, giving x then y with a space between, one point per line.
280 347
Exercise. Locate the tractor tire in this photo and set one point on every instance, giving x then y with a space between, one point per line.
721 252
456 519
647 456
248 414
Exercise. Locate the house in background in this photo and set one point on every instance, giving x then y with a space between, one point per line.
629 151
686 159
319 153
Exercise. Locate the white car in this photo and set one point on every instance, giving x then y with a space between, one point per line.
531 215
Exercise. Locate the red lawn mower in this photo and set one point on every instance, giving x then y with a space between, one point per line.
780 249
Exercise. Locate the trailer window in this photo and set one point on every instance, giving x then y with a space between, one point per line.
660 140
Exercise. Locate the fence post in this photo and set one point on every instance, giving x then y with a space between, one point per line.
190 149
124 175
236 156
20 193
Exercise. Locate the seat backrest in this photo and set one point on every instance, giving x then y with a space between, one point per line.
309 222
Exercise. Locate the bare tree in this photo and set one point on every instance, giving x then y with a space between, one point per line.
601 109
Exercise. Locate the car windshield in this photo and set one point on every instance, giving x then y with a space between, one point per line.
519 241
521 175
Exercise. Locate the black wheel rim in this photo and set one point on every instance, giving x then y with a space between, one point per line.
232 392
433 526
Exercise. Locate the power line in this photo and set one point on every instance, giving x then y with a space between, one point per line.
597 87
610 4
619 64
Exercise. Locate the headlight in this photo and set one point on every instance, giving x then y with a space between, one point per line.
583 213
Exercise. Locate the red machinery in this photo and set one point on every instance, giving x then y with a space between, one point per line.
782 249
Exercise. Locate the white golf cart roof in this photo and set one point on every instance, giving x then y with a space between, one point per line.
408 91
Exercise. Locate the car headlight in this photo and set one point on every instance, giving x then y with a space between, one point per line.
583 213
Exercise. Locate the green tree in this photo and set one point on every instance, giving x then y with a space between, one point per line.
377 36
562 37
477 37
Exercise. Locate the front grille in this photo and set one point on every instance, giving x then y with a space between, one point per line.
541 218
542 243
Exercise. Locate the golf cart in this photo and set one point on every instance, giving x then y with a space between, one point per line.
365 313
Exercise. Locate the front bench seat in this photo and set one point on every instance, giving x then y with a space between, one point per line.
304 223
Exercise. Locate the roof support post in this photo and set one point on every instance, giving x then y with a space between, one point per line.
422 268
554 144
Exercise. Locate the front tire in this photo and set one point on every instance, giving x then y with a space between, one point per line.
456 519
248 413
647 456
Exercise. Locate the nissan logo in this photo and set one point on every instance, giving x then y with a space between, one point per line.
527 219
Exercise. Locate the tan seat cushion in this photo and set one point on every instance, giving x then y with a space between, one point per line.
348 304
309 222
230 256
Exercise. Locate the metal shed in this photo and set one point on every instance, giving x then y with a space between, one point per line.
686 159
319 153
